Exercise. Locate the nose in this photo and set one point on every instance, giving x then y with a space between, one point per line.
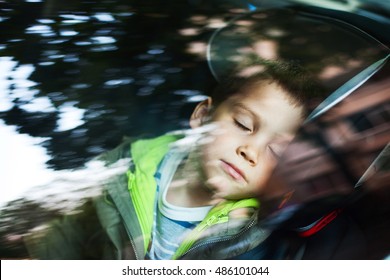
249 153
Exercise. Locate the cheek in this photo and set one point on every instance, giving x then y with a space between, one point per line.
217 142
209 152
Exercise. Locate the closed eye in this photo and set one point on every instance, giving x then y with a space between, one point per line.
242 126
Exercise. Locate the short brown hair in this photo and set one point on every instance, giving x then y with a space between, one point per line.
298 83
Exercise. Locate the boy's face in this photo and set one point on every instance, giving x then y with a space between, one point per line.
253 128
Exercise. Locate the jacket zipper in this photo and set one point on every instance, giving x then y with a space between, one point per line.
138 203
217 215
133 246
250 225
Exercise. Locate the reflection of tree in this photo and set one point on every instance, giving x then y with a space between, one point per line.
124 63
330 49
125 86
16 219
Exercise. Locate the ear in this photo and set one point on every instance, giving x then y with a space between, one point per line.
200 113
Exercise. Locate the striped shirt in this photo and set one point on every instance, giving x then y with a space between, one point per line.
171 223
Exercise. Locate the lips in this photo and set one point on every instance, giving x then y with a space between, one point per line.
233 171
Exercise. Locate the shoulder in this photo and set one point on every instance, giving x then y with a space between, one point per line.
119 152
141 144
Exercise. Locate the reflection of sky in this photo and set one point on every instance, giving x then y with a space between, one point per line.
22 165
70 117
22 162
25 175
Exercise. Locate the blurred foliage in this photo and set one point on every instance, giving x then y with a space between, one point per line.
125 63
17 218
